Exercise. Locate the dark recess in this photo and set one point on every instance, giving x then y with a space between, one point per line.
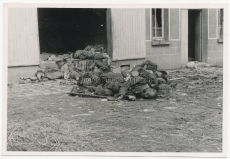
70 29
191 34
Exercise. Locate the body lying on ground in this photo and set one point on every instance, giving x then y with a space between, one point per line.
142 81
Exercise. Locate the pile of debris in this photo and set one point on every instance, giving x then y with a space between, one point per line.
99 50
143 81
72 65
91 71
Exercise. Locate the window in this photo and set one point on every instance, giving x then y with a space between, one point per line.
220 25
159 26
157 23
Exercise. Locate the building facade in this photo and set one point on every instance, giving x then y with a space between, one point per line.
169 37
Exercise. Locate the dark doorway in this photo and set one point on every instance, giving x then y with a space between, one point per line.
194 35
70 29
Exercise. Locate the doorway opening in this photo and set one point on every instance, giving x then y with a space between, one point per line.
65 30
194 35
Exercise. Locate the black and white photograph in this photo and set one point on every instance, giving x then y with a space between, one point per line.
115 79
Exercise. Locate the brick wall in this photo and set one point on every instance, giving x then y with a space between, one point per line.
215 52
167 57
214 48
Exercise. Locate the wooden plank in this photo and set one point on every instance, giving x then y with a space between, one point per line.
23 43
128 33
86 95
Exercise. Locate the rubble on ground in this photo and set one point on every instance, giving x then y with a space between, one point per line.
198 65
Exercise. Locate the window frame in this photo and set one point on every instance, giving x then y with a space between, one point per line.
162 28
164 40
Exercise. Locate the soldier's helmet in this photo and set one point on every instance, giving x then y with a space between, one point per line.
149 93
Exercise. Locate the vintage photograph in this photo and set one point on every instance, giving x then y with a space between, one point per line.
115 79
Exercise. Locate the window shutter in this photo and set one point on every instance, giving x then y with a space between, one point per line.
166 24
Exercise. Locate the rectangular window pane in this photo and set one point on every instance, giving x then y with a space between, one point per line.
153 32
158 32
157 23
153 18
158 17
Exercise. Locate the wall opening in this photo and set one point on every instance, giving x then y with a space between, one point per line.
194 35
63 30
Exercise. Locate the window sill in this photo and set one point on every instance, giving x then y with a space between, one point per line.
220 40
160 42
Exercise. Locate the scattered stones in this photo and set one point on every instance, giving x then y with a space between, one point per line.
191 87
170 107
28 80
200 65
148 110
209 76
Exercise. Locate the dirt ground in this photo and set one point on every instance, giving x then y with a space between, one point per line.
189 119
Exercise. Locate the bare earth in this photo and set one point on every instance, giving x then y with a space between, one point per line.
41 117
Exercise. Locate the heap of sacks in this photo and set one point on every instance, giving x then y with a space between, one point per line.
143 81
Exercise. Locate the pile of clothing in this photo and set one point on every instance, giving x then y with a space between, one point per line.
143 81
